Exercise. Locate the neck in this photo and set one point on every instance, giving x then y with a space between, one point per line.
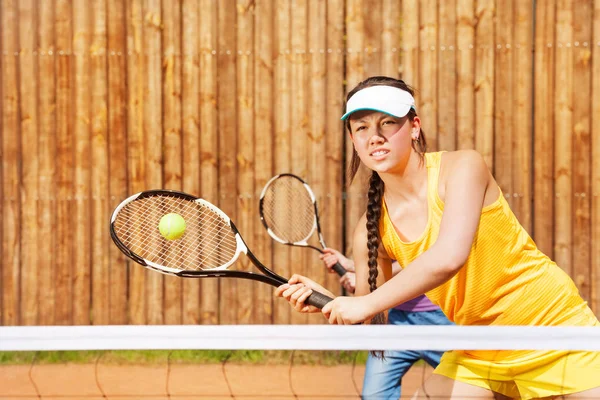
408 181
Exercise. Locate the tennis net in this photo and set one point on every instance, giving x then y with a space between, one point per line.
237 361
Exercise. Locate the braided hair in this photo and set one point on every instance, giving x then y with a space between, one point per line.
376 185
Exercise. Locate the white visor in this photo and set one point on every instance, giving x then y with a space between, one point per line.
386 99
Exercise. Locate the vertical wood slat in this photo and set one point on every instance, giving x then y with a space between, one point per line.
136 153
521 45
298 119
563 136
65 159
11 202
465 74
282 132
172 166
356 199
426 99
372 14
153 130
391 38
190 116
582 33
100 300
263 146
117 131
484 80
246 204
543 169
209 139
30 166
503 99
80 274
335 134
228 146
316 143
447 76
410 44
595 132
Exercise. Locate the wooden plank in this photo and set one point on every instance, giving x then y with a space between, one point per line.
563 137
299 117
190 109
81 235
209 139
484 80
410 44
543 147
117 130
173 167
30 266
246 202
11 201
582 112
136 151
65 157
153 131
100 302
503 99
427 106
263 122
332 214
356 200
228 146
447 75
465 74
522 65
391 38
372 11
316 143
595 231
282 121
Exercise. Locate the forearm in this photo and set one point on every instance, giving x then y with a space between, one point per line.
427 272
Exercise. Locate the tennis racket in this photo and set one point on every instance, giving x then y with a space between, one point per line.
209 246
288 210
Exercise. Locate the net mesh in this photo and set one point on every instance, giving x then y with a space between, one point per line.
207 243
242 362
288 209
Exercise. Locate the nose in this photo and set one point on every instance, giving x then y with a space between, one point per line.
376 137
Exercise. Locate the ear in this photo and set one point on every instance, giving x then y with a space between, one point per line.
416 128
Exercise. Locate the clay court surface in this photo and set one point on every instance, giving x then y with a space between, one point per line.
210 381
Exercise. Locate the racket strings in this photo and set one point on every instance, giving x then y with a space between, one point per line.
289 210
208 241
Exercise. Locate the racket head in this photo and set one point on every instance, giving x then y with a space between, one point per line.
288 210
210 241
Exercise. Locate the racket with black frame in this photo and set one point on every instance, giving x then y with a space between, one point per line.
208 248
288 210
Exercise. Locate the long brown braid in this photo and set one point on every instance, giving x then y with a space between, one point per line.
376 185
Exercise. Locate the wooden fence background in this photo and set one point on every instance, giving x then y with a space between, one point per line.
105 98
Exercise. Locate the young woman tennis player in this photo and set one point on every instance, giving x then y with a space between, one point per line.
445 220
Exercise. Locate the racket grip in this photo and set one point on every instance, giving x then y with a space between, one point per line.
341 271
318 300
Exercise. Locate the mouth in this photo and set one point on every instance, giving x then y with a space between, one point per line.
379 153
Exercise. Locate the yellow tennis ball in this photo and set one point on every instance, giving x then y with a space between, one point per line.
172 226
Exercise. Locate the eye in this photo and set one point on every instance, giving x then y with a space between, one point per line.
359 128
389 121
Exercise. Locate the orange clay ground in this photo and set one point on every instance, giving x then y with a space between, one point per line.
179 382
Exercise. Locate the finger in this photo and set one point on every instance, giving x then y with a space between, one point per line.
281 289
294 279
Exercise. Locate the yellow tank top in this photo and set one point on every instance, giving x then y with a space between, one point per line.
506 280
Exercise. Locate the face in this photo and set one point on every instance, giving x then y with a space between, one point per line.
383 142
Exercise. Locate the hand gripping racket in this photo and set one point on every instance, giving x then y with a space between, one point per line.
288 209
209 246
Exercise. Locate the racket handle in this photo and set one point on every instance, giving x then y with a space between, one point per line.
341 271
318 300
